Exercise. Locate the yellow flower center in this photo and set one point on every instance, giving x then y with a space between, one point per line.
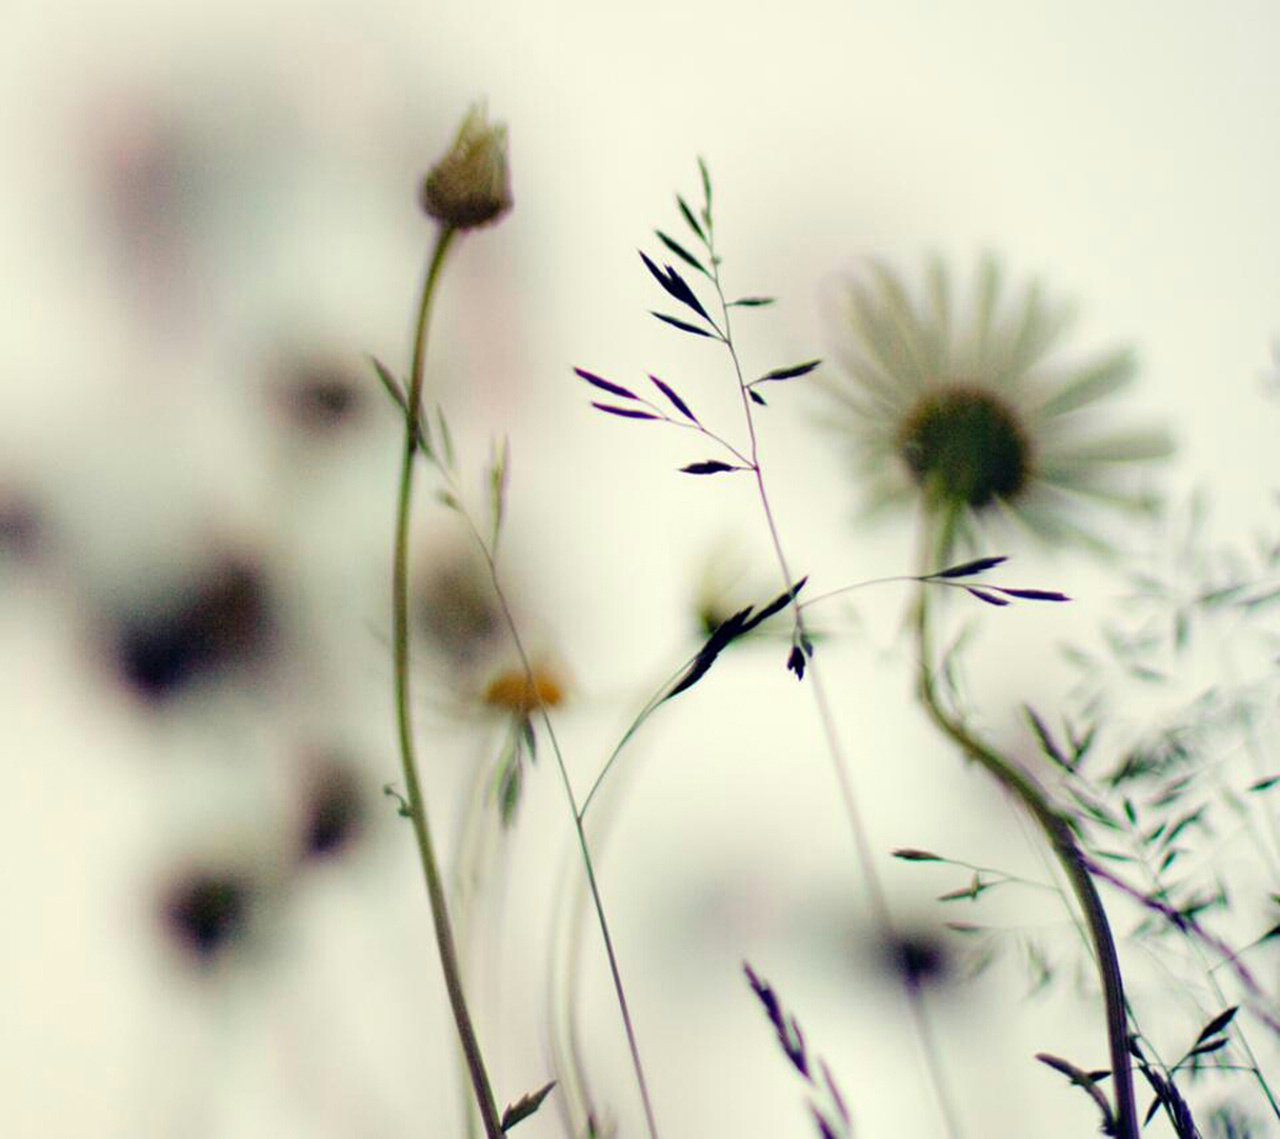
515 691
965 447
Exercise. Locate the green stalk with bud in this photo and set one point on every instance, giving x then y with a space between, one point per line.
468 188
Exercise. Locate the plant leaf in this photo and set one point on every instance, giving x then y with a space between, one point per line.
1033 594
499 472
1085 1080
787 1027
791 372
525 1106
681 252
706 186
751 302
1168 1097
1192 818
728 631
796 661
687 213
529 738
976 886
676 286
776 605
446 437
982 595
625 412
676 401
710 467
394 390
510 782
1047 743
724 635
683 325
969 569
1217 1024
825 1130
834 1090
605 385
909 854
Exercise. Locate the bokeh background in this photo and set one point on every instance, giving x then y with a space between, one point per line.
209 222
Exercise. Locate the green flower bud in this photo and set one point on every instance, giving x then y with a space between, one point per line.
471 185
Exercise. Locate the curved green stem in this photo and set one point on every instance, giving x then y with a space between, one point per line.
400 637
1057 832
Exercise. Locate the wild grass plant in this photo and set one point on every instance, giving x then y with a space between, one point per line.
963 413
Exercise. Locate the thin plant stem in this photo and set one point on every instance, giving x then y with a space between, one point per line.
1199 938
1057 831
562 1016
835 749
414 799
1261 770
654 703
473 862
588 863
660 694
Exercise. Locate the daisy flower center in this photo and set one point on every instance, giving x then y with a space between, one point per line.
965 446
513 691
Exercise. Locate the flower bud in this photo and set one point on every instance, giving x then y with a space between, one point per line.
471 185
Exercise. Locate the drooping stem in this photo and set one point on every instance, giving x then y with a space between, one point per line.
414 799
1057 832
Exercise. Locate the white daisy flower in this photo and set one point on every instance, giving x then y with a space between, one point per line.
969 415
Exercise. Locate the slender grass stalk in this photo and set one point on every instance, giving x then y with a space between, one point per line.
1056 830
472 862
652 705
1199 936
562 1017
1200 939
486 549
835 749
414 798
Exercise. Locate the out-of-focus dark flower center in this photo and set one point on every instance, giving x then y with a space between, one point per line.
965 447
334 812
206 911
222 621
919 958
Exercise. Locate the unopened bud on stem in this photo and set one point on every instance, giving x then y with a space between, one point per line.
471 185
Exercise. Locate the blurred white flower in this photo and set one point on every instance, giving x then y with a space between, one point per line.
967 415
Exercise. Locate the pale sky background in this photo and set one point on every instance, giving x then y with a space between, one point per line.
1125 153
